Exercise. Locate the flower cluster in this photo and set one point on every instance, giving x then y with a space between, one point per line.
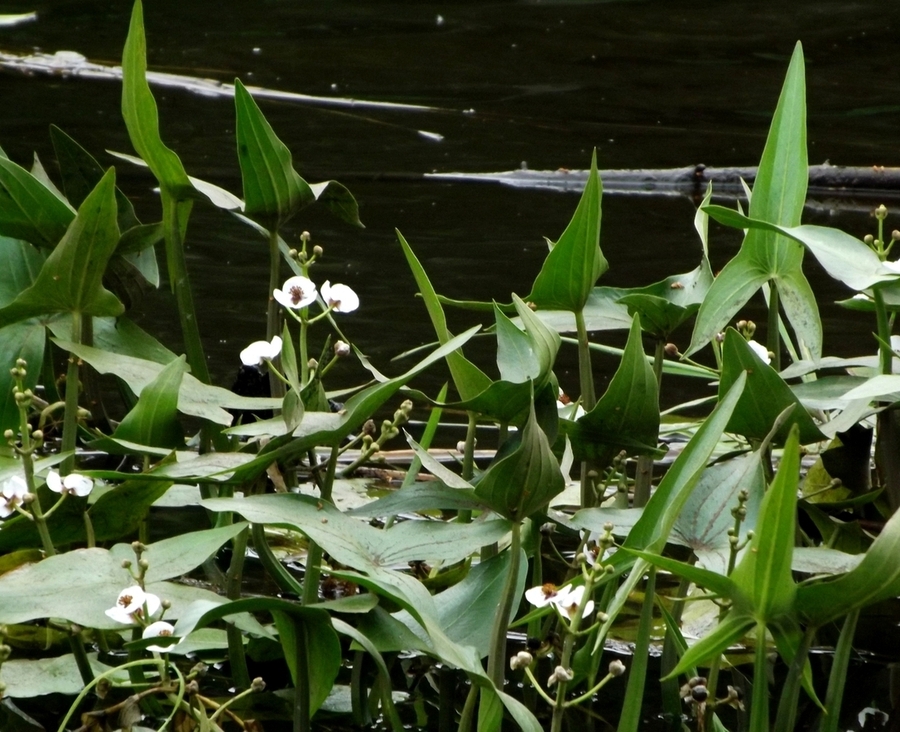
136 607
300 292
565 599
12 493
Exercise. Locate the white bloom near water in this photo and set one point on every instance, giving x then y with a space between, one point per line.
340 298
73 483
297 292
132 605
259 351
12 493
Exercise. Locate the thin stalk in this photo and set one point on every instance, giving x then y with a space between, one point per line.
790 692
643 478
301 692
585 370
81 657
273 312
497 655
885 356
773 336
70 420
468 712
314 552
240 674
671 698
468 465
759 703
637 675
837 679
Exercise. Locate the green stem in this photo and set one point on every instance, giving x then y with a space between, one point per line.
273 313
497 655
304 348
468 712
885 357
314 552
759 704
773 336
837 679
790 693
468 464
301 692
637 675
239 672
70 420
81 658
585 371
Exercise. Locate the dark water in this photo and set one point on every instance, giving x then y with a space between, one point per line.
649 84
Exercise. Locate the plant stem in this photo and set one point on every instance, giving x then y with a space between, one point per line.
239 671
773 337
70 419
497 655
585 371
301 692
885 356
759 704
837 679
790 693
314 552
637 675
468 465
273 312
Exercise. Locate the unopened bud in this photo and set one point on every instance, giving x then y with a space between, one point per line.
881 212
126 564
616 668
522 659
9 434
304 236
21 363
317 250
461 446
38 435
313 364
257 684
4 652
369 427
895 235
671 350
868 239
341 349
144 564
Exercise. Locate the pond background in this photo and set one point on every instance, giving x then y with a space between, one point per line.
649 84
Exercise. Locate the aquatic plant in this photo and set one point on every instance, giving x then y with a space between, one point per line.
437 569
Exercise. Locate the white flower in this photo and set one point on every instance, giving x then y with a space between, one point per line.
260 351
160 629
133 603
339 297
892 266
568 603
12 492
760 350
545 594
77 485
296 292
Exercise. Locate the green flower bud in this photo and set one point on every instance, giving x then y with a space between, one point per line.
616 668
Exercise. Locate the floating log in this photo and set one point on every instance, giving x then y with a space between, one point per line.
832 180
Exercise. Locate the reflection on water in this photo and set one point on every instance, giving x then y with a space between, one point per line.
650 84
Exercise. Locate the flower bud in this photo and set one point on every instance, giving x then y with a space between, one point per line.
317 250
21 363
671 350
699 693
869 239
369 427
548 528
616 668
461 446
522 659
9 434
881 212
4 652
257 684
895 235
126 564
313 364
38 435
341 349
143 564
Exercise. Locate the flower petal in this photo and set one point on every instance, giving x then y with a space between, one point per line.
160 629
79 485
547 594
54 482
340 298
258 351
760 350
297 292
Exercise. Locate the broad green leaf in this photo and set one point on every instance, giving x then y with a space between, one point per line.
154 421
470 381
519 483
81 173
273 191
626 416
779 192
516 358
545 341
876 578
706 519
429 496
70 279
28 209
843 256
726 634
575 262
141 115
30 677
764 398
311 635
764 573
195 398
338 200
659 515
356 544
120 336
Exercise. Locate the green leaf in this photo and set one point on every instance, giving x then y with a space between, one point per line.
779 192
516 358
876 578
273 191
626 416
518 484
320 647
70 279
429 496
764 573
575 262
843 256
154 421
726 634
141 115
338 200
28 209
765 397
469 380
119 511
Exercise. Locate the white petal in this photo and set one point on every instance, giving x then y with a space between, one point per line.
80 485
545 594
760 350
54 482
14 487
892 266
297 292
341 297
156 630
